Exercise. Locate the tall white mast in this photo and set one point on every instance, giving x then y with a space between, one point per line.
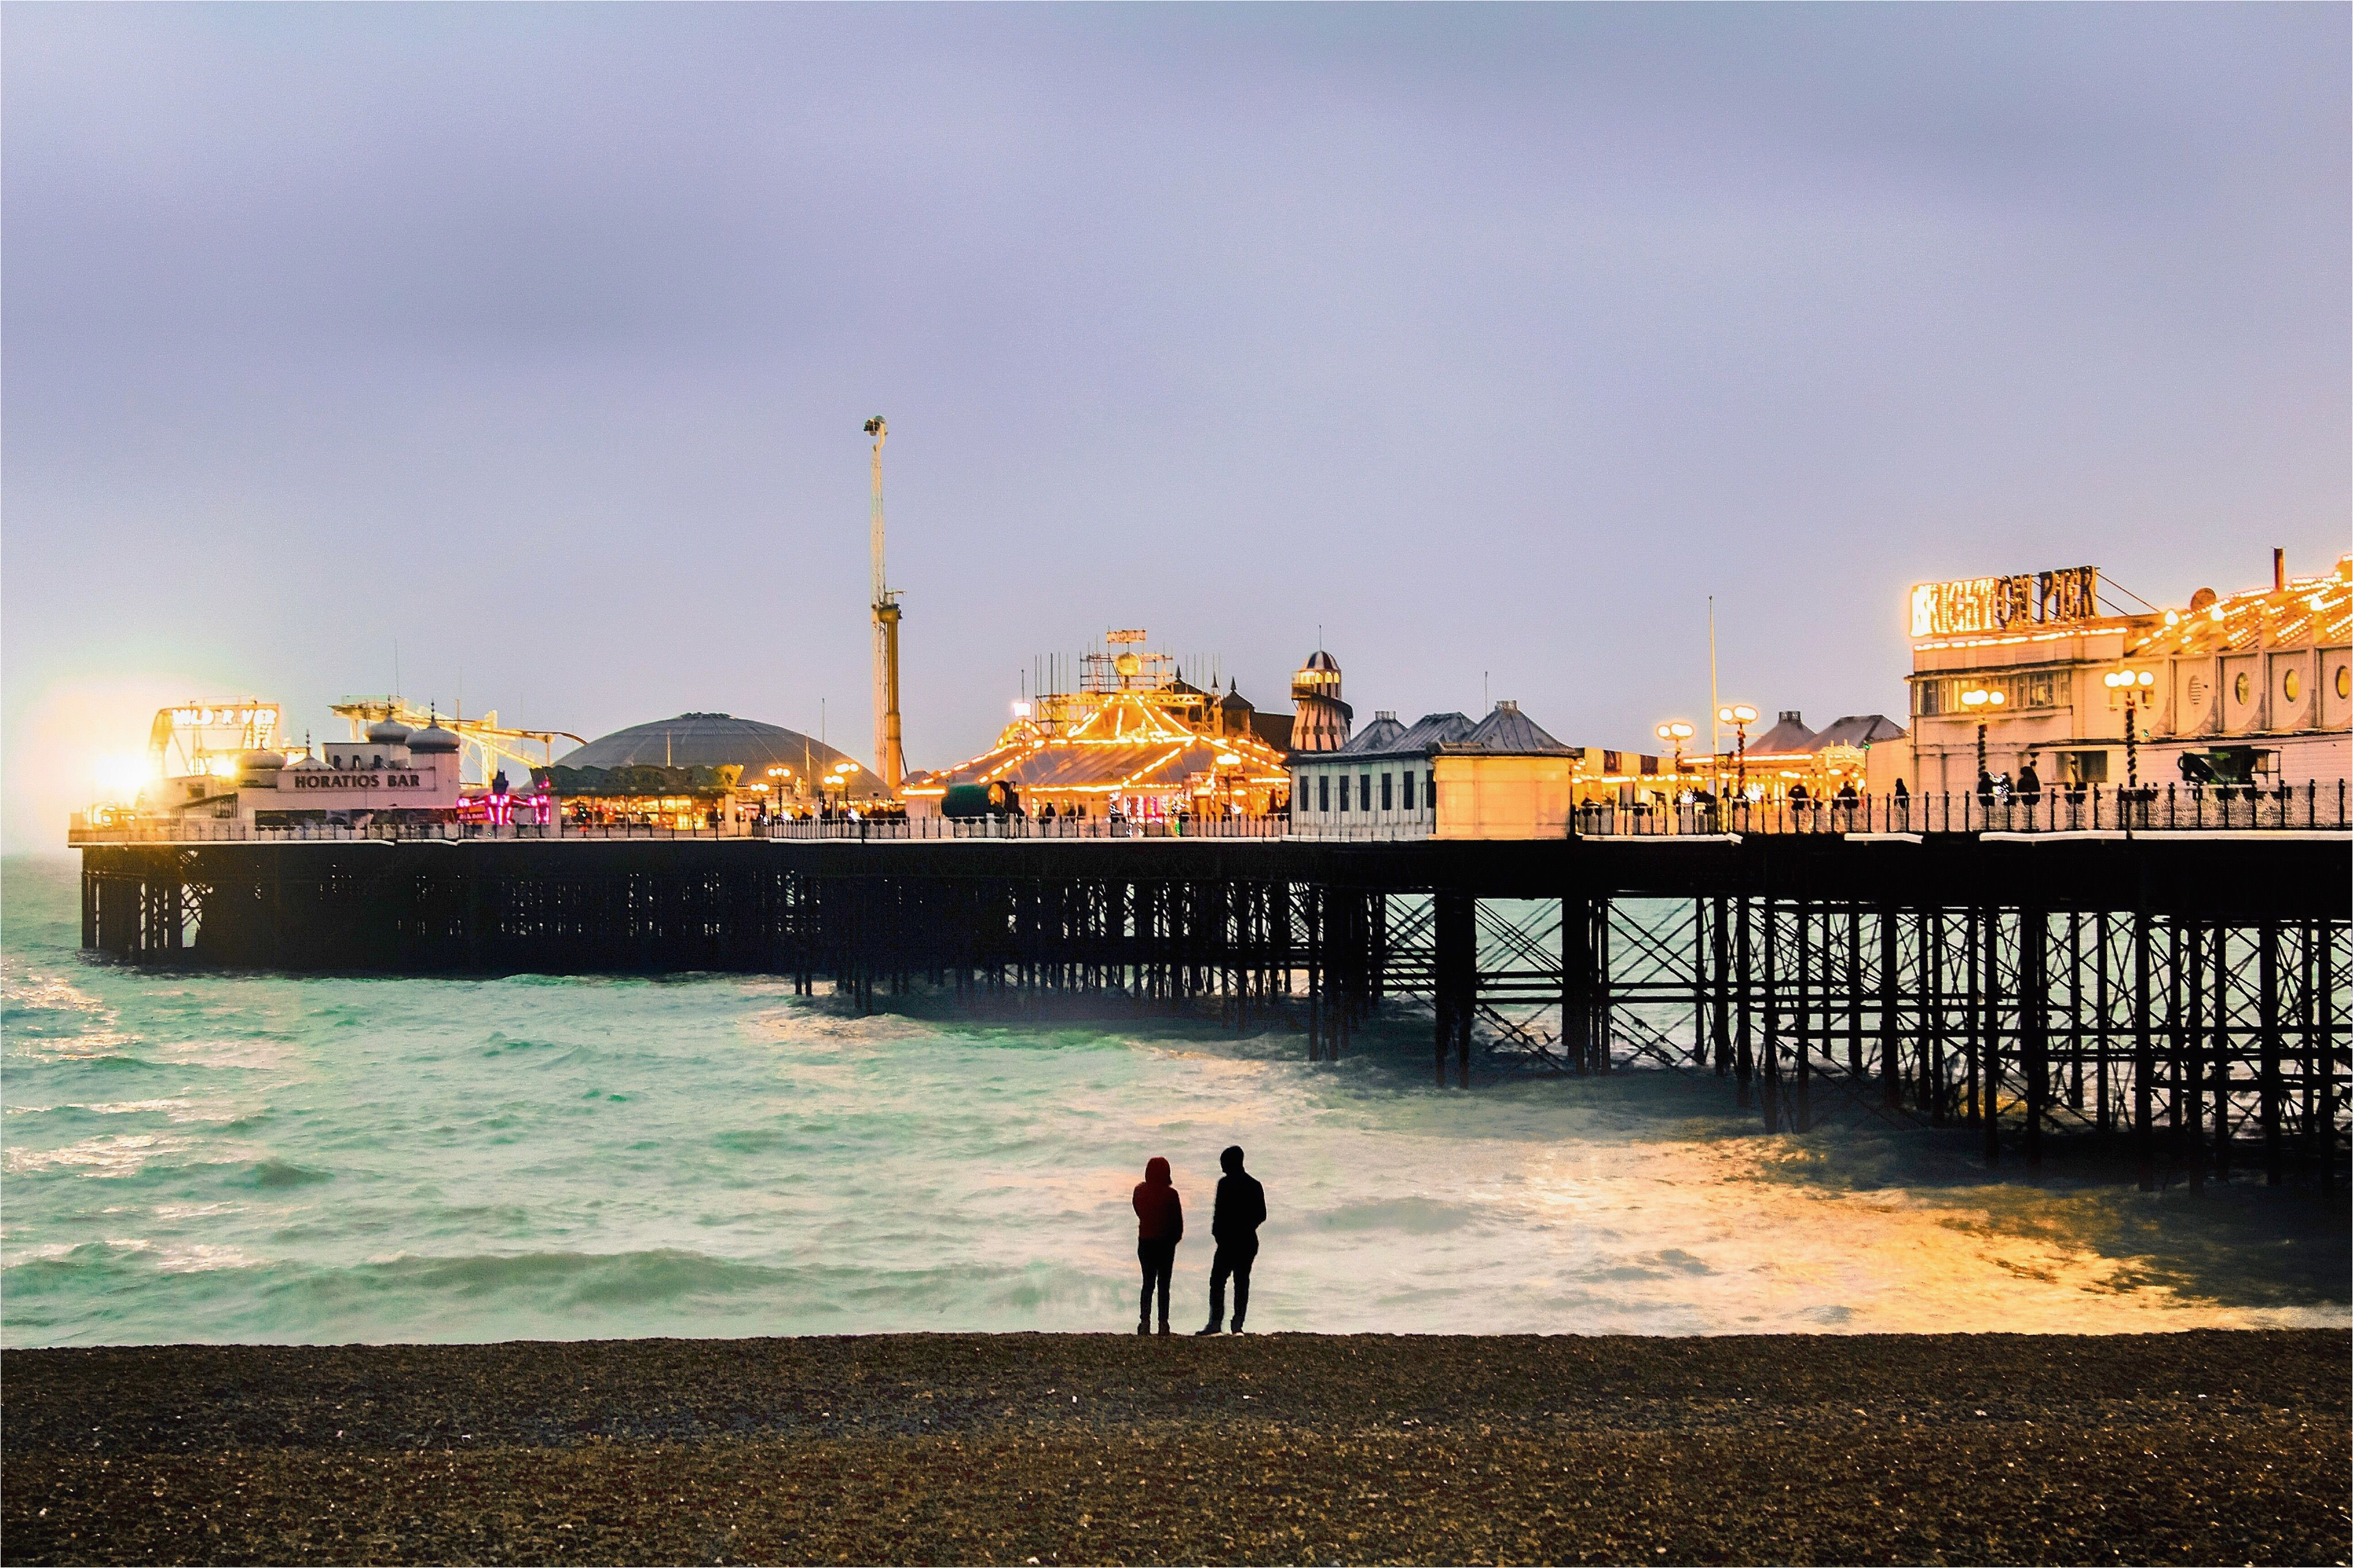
888 756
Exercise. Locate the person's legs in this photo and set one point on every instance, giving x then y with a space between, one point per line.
1241 1267
1167 1263
1220 1267
1143 1311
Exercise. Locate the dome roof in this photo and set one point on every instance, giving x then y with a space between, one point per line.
719 740
389 732
1319 660
432 738
309 764
257 761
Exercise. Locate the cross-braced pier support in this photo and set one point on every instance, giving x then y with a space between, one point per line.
2185 1001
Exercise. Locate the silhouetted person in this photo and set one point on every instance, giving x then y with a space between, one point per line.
2030 784
1159 1227
1241 1209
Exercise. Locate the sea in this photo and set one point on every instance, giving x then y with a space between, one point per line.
265 1157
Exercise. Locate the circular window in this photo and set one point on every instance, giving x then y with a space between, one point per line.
2239 688
2344 680
2289 686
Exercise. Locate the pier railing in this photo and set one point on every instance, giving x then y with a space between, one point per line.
2176 808
2311 807
837 829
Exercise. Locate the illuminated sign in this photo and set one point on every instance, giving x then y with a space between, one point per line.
263 720
1998 604
393 778
1123 636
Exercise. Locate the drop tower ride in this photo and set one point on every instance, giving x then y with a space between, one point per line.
889 756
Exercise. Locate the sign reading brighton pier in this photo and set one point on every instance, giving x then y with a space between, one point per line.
1999 603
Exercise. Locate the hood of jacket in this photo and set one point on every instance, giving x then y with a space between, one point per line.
1155 1172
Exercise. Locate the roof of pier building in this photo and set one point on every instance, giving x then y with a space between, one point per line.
718 741
2308 611
1790 734
1857 729
1506 731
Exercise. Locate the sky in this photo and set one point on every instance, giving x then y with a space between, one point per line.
520 353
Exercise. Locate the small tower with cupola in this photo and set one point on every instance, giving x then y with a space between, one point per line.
1320 722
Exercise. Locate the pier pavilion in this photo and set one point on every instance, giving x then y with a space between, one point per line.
2253 687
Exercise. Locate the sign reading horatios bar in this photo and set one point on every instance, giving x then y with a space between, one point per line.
395 779
2001 604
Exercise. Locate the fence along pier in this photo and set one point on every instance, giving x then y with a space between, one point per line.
2182 995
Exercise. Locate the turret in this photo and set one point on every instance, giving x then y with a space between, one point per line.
1320 722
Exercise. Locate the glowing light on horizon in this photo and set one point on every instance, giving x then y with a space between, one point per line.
119 779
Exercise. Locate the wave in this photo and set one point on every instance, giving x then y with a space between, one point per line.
576 1279
267 1174
1414 1217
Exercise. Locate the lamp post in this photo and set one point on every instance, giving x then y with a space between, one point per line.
1677 732
1980 702
2132 683
776 777
1739 715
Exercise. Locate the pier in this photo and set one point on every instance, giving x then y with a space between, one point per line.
2181 995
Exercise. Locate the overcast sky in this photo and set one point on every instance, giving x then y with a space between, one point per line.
537 340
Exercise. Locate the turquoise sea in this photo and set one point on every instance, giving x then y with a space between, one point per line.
253 1157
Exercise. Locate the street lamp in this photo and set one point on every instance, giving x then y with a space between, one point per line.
1980 702
1677 732
2132 683
1739 715
776 777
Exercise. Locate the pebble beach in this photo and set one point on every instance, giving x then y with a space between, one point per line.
1017 1448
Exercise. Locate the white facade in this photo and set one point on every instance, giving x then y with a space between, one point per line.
1345 794
2265 678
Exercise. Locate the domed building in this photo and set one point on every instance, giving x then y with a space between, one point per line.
694 749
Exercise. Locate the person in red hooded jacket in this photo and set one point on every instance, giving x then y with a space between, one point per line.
1159 1227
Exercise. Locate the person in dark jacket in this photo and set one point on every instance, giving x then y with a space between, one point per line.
1241 1209
1159 1227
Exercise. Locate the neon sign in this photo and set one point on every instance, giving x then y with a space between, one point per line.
1997 603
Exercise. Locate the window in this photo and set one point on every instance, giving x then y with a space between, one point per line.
2345 681
1324 791
1365 790
1429 789
2239 688
1386 803
2289 686
1344 794
1407 777
1931 695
